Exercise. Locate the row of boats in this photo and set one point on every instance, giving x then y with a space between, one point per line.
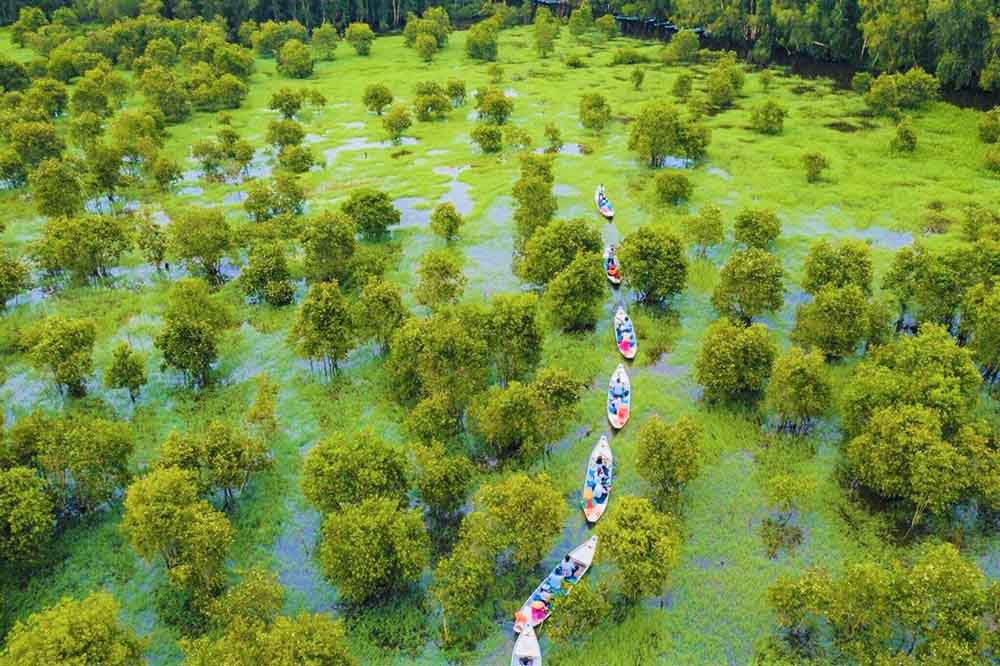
596 485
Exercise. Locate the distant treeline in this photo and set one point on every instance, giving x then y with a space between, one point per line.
959 40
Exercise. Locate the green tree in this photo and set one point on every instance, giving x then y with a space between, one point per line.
756 227
360 36
193 322
202 237
574 294
683 47
266 276
575 615
127 370
323 328
581 20
372 549
705 228
815 164
446 221
768 118
838 264
481 40
607 26
88 631
546 31
637 76
396 122
655 266
380 311
295 60
493 106
56 188
163 92
799 390
734 361
643 544
372 212
673 187
377 97
221 458
489 137
441 280
515 335
441 480
981 321
750 283
84 246
507 422
35 142
346 469
284 133
668 455
27 518
552 247
324 41
165 519
905 140
64 347
833 322
426 46
659 132
682 86
328 241
286 101
15 277
595 112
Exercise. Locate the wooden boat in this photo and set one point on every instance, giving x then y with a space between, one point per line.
527 652
594 509
539 605
603 205
611 266
625 337
619 407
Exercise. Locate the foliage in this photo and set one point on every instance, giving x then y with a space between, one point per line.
64 347
905 140
88 631
847 262
734 361
682 86
756 227
575 615
481 40
553 247
493 106
15 277
834 322
192 324
815 164
768 118
56 188
323 327
441 280
324 41
377 97
446 221
347 468
655 265
658 132
683 48
643 544
372 548
379 311
515 335
360 36
86 246
595 112
26 519
574 294
546 31
509 421
127 370
667 455
750 283
442 481
489 137
201 237
396 122
799 390
287 101
909 90
705 228
673 187
637 76
329 244
581 19
372 212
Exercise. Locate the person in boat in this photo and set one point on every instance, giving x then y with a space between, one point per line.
555 580
566 567
618 389
602 469
600 492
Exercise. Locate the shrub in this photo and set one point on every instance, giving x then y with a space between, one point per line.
396 122
489 137
989 126
446 221
766 79
683 48
768 118
815 164
295 60
638 75
905 140
575 62
360 36
673 187
992 159
628 56
734 360
481 40
861 82
607 26
756 227
682 86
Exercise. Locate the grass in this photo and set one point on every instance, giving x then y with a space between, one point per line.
715 608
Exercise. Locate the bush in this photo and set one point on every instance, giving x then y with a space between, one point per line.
446 221
905 140
766 79
481 40
768 118
628 56
575 62
360 36
756 227
989 126
295 60
993 159
682 86
683 48
377 97
489 138
672 187
734 361
638 75
607 26
815 164
861 82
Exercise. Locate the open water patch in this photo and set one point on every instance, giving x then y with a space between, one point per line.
566 149
413 212
234 198
721 173
458 192
358 144
563 190
297 570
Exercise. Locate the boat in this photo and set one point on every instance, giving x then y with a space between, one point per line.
526 649
539 605
593 509
611 266
603 205
625 338
619 406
